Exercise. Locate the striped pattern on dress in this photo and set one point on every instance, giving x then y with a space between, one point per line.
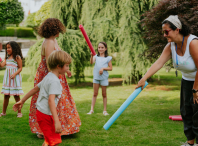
12 86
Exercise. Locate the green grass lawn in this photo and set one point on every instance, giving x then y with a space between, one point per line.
144 123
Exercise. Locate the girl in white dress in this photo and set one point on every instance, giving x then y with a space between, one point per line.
12 77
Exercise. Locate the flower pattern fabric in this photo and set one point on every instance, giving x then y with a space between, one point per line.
66 109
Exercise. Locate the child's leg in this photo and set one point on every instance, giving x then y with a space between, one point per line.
17 98
5 103
44 144
95 94
104 95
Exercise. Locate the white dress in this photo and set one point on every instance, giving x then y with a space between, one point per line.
12 86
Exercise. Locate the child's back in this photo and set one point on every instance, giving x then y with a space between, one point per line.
49 85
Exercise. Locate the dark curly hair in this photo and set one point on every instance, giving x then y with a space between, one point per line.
51 27
185 26
16 50
105 44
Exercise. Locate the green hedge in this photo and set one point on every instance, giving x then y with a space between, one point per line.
17 31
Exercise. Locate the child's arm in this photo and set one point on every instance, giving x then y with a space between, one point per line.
52 106
106 68
19 62
2 64
19 104
92 59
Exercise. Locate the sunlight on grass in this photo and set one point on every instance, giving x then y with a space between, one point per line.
144 122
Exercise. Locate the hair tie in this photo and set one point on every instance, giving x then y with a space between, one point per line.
175 20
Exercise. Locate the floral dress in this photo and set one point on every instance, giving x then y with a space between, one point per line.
66 109
11 86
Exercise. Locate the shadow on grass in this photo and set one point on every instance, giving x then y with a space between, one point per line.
144 115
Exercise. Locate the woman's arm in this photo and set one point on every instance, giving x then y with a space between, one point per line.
193 48
52 107
19 62
165 56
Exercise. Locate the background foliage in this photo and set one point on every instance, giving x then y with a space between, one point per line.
114 21
17 31
11 12
152 22
35 19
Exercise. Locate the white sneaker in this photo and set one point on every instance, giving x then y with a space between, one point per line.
186 144
91 112
105 113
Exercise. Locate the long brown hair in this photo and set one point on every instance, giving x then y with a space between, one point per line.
16 50
105 44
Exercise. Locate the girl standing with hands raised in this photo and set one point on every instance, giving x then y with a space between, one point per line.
12 77
102 65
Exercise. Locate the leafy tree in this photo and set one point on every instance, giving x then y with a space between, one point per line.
152 22
35 19
113 21
117 23
43 13
69 12
11 12
29 22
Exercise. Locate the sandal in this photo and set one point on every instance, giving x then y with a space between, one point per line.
91 112
40 136
2 114
105 113
19 115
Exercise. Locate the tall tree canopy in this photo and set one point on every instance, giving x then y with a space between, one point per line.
114 21
152 22
11 12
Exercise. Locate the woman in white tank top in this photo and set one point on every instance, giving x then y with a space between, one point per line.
182 47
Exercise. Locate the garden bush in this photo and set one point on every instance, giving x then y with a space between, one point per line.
17 31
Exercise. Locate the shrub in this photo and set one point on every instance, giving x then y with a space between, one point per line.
17 31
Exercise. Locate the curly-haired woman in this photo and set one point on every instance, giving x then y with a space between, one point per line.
66 109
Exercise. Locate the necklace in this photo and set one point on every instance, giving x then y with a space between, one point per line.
177 64
176 52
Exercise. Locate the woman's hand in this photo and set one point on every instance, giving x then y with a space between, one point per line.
13 76
17 106
69 74
101 71
195 97
141 84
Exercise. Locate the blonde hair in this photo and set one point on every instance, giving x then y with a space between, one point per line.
58 58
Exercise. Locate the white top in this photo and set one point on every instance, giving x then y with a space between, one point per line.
185 63
49 85
101 62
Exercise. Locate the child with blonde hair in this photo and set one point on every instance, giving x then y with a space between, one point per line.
50 91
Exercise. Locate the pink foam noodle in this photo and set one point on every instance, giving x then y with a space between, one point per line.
0 59
87 39
176 117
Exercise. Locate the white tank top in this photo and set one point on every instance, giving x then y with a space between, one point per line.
185 63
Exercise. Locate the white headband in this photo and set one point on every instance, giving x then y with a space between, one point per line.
174 19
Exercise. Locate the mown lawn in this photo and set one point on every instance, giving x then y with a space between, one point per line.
144 122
